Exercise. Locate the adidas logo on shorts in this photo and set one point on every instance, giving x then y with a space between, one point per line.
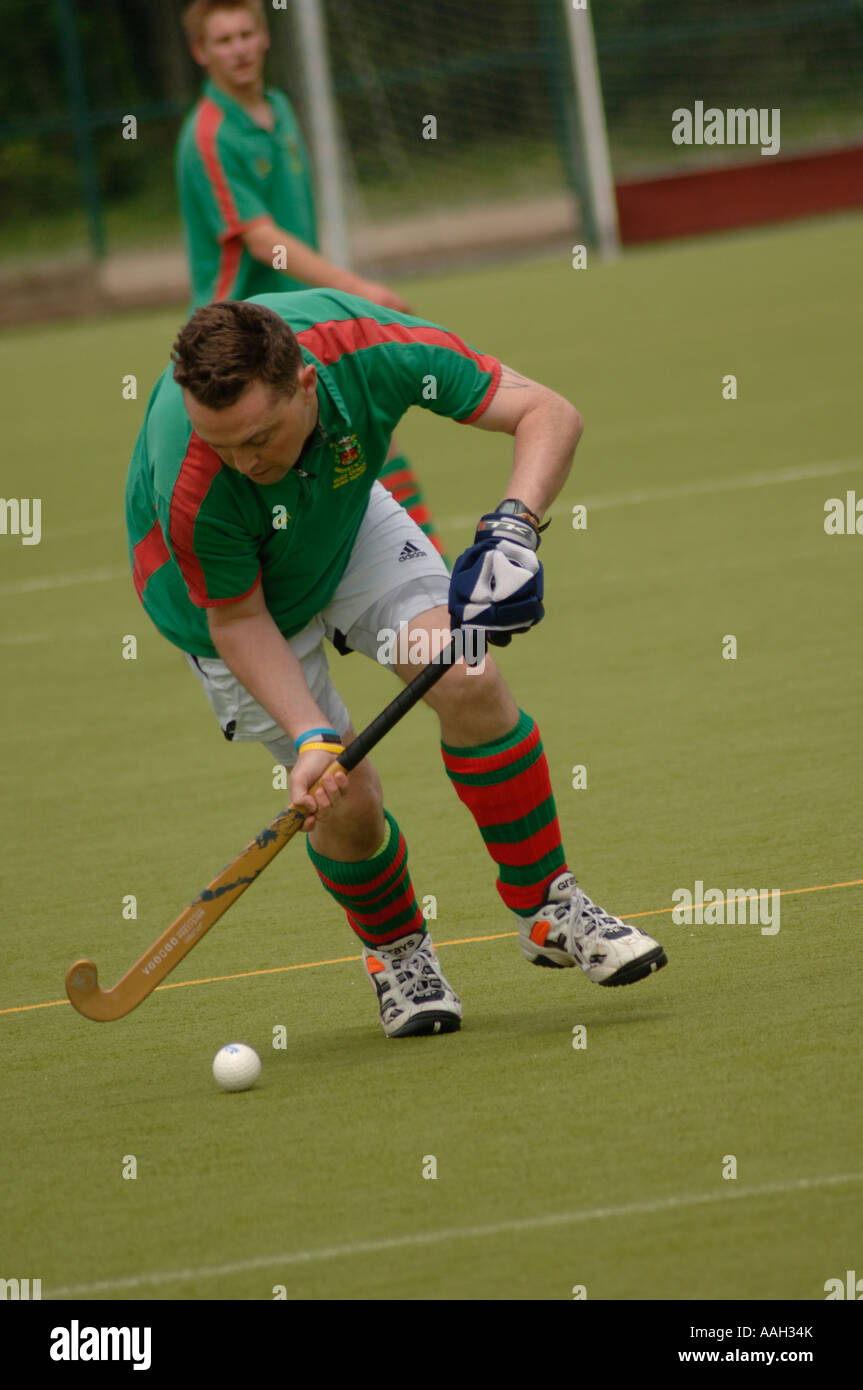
410 552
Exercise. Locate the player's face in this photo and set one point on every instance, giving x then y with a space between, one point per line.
262 434
233 48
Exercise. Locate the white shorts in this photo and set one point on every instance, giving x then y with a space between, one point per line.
393 575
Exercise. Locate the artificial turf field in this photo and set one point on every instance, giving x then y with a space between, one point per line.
599 1166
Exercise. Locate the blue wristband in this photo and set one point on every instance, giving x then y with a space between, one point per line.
315 733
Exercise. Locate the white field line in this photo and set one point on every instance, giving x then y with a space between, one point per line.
767 478
62 581
702 488
425 1238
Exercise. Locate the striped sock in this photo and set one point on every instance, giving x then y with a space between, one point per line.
506 787
399 478
377 893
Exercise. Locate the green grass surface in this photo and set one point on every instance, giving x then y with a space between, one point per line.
740 773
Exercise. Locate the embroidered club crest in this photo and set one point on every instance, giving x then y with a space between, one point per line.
350 461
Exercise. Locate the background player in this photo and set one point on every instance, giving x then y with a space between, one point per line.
246 191
251 426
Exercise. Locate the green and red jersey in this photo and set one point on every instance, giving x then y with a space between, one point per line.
231 173
201 534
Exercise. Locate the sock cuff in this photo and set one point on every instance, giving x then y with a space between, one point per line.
520 731
362 870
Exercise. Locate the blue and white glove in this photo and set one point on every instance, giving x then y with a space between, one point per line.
497 583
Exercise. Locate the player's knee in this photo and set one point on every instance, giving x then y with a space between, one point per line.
469 689
357 821
364 797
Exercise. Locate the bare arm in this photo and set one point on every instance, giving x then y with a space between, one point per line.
302 263
248 641
546 429
250 644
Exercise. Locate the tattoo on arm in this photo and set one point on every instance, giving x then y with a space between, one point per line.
511 380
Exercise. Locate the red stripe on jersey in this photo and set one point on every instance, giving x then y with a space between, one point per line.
197 472
151 554
229 265
337 337
235 598
487 398
207 123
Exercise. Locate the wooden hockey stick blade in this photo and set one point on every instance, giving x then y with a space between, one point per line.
105 1005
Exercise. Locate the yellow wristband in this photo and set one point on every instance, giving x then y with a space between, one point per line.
322 748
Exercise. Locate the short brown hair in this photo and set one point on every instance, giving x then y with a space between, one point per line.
225 346
195 16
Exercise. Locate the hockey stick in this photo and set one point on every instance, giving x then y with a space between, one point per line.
104 1005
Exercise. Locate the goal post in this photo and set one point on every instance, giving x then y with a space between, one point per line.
323 130
429 122
599 212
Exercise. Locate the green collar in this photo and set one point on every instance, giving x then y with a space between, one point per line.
333 411
234 109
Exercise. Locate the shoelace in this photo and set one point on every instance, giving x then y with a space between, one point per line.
599 915
418 980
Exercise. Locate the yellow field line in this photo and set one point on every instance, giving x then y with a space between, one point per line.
459 941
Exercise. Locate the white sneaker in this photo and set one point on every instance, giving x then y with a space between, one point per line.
569 930
413 995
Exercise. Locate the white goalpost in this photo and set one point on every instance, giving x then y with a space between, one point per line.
323 131
601 210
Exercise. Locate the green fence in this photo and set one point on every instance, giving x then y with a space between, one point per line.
495 74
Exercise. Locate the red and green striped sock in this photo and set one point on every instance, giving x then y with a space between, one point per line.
506 787
400 479
377 893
